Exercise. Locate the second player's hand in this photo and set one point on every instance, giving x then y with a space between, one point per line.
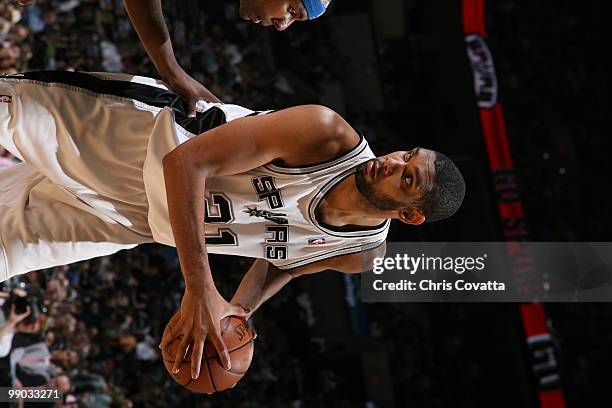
190 89
200 315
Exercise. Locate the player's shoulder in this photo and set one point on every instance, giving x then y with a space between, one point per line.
334 136
335 126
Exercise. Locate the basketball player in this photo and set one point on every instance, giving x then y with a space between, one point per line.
148 21
111 161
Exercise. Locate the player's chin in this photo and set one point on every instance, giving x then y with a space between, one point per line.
244 12
362 174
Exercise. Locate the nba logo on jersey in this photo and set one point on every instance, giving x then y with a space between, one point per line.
316 241
6 99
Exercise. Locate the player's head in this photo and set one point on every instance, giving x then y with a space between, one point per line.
281 13
413 186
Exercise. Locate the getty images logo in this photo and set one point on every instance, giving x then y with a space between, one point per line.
412 264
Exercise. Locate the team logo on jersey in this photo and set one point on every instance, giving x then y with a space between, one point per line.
316 241
266 189
268 215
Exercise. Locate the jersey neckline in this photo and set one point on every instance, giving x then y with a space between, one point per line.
364 232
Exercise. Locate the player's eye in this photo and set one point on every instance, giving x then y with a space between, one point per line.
292 11
408 179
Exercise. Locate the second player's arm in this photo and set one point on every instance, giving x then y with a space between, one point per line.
263 280
148 21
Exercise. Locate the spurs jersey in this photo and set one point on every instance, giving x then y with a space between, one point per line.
91 180
267 212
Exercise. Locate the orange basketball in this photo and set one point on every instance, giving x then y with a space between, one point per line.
213 377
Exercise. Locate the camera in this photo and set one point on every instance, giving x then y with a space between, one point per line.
21 306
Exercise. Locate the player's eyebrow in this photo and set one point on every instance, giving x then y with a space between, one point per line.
417 172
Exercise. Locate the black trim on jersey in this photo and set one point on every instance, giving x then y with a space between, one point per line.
360 229
361 232
311 168
255 113
147 94
332 254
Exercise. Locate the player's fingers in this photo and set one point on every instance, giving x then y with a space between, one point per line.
196 355
171 334
174 329
219 345
180 353
191 112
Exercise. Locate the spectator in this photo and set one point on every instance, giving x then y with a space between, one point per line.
7 328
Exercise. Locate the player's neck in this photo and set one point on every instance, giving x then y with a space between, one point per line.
344 205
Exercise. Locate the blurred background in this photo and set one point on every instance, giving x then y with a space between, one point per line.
399 71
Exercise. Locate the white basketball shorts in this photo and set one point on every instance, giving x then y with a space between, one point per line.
79 191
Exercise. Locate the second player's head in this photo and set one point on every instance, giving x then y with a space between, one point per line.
413 186
281 13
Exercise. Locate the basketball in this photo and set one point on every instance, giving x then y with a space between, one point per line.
238 338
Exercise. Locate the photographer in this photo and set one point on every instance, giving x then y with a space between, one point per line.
7 329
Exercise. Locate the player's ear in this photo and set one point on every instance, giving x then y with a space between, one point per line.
411 215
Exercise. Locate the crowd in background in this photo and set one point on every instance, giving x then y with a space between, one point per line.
97 323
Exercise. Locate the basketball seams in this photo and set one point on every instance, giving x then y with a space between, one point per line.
215 357
187 383
212 379
227 322
241 373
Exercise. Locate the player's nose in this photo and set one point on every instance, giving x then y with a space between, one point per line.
389 166
281 24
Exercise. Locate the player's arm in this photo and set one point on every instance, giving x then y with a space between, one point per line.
263 280
148 21
300 135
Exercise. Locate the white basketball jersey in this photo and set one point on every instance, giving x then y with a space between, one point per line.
268 212
98 140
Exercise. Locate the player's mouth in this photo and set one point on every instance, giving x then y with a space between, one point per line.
371 169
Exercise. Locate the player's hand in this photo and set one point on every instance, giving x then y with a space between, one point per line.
200 317
246 316
190 89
